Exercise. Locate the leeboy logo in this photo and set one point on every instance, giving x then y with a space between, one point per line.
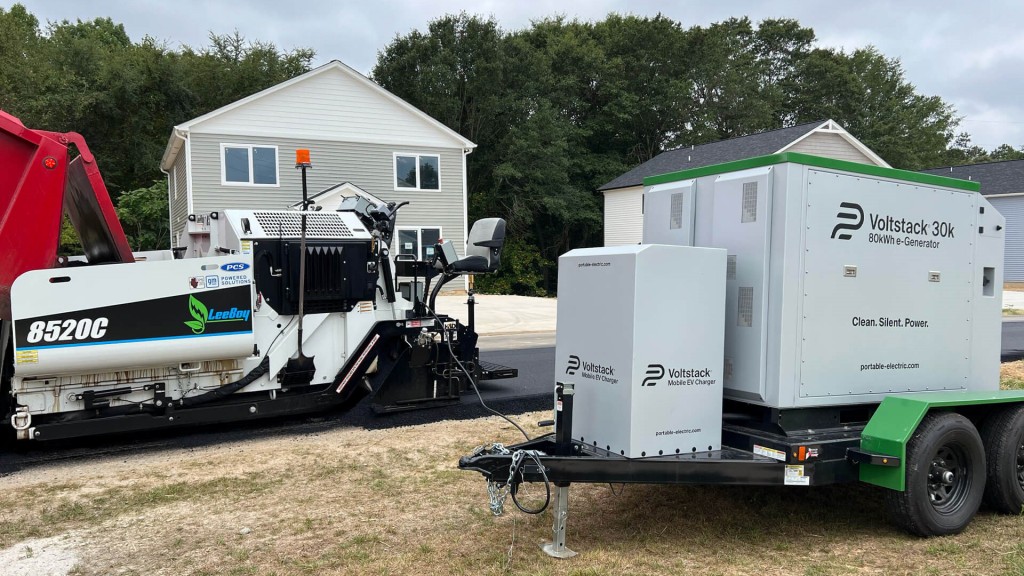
574 365
846 212
203 316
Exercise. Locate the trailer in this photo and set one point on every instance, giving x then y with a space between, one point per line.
261 313
789 320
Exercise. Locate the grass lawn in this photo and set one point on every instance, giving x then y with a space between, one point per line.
353 501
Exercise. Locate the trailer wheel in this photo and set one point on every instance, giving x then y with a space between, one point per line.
945 477
1003 434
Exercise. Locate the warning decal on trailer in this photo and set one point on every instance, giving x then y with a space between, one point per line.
795 476
770 453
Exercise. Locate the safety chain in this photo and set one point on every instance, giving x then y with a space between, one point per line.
497 492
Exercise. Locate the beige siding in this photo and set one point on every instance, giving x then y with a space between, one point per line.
177 195
332 105
623 216
369 166
830 146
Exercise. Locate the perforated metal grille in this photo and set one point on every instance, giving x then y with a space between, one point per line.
749 202
676 212
745 307
289 224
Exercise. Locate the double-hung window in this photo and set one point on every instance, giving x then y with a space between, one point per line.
418 242
417 171
248 165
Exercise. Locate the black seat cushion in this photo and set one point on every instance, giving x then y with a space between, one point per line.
470 264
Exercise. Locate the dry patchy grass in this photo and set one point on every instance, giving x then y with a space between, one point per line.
354 502
1011 375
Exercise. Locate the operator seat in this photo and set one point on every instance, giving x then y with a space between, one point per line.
483 252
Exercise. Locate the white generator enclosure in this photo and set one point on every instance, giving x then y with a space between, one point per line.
640 336
844 282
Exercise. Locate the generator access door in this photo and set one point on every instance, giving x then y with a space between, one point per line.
742 225
887 288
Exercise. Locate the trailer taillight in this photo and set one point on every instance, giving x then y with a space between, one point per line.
49 162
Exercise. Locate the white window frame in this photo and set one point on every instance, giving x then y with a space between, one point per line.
418 188
252 175
419 236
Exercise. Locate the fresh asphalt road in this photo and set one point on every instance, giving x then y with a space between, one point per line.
1013 338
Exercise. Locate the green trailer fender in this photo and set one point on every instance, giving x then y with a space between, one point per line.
895 420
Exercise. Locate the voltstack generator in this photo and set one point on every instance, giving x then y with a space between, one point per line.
788 320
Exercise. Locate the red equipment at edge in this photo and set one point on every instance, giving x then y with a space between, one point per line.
38 181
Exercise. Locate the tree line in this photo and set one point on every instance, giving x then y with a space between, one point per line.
557 109
562 107
125 97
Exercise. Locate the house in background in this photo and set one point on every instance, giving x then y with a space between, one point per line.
1002 184
243 156
623 196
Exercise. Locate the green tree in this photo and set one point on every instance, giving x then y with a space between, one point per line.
19 44
1007 152
144 216
868 94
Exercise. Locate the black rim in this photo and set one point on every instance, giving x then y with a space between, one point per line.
949 478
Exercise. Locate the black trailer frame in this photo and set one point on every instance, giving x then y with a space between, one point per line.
817 448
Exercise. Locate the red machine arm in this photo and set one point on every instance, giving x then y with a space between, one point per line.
38 181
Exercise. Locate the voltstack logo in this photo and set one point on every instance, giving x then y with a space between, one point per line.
574 365
655 372
846 212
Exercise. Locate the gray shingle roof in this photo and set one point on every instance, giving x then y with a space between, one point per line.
738 148
1004 177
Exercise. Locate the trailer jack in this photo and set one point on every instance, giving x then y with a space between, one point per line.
557 548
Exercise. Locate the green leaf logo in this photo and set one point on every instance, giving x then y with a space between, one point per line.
199 312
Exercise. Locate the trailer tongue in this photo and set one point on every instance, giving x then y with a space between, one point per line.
211 332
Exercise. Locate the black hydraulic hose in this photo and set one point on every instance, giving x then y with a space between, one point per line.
514 488
227 389
469 377
389 280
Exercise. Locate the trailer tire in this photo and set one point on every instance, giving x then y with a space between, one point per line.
945 480
1003 434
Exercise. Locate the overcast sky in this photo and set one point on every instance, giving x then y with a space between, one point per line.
969 53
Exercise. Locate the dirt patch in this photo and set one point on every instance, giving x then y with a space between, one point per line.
55 556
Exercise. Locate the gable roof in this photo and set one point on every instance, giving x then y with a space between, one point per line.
175 140
335 192
732 149
1001 177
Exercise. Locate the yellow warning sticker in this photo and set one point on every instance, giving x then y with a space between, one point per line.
246 246
770 453
795 476
27 357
